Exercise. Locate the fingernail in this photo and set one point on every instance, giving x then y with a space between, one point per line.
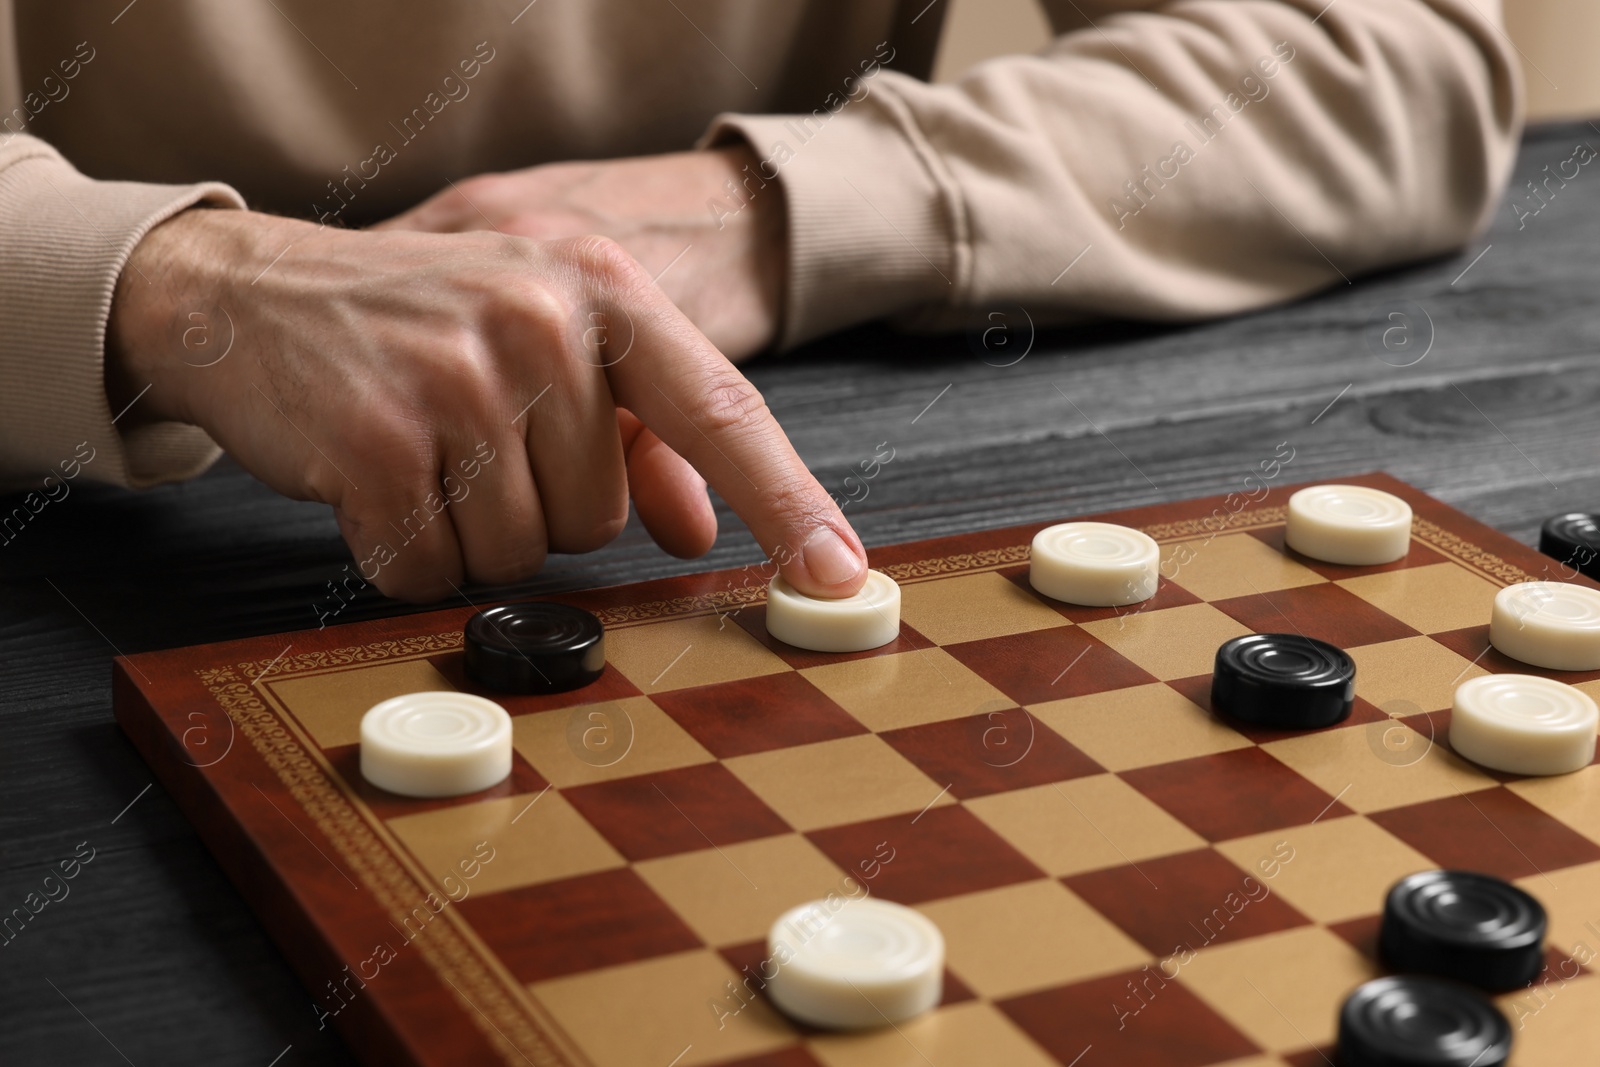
829 559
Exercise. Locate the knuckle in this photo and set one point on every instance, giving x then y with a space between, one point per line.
532 307
604 261
798 503
732 404
457 388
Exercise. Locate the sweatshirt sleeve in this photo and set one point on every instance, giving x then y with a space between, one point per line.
64 240
1159 160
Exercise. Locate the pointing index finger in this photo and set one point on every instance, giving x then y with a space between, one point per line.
696 401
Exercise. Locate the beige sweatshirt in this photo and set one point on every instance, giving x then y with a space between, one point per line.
1186 159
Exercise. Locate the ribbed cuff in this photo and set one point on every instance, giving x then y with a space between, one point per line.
872 232
64 240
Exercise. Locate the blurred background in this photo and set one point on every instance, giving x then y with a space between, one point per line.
1555 39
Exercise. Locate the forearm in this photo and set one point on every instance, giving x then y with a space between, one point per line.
1153 145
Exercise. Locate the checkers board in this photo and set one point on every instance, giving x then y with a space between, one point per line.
1121 878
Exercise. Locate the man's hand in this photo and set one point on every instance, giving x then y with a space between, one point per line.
465 402
725 269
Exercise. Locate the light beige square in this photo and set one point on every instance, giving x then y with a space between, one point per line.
1571 899
1029 936
1233 565
536 838
972 607
1351 765
1431 599
655 1011
1572 798
685 652
1170 643
1282 990
906 688
330 706
1410 675
1554 1023
835 782
1083 825
601 742
1330 870
734 893
1137 727
974 1034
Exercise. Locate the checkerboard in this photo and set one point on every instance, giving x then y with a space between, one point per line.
1122 878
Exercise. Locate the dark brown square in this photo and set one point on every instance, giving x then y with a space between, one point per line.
991 752
1473 644
752 618
1168 1027
669 812
1419 556
1193 899
1049 664
576 924
1168 595
757 714
611 685
1489 830
939 853
346 760
1361 933
1198 690
1232 794
1325 611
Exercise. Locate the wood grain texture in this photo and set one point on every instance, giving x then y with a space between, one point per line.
152 957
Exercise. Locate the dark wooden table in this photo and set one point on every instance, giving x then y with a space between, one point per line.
152 957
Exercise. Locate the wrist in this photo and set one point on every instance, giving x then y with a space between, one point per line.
762 218
168 307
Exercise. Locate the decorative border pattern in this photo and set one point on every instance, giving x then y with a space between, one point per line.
723 600
483 999
1184 529
256 670
1458 547
987 559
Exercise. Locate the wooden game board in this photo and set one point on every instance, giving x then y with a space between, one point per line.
1046 782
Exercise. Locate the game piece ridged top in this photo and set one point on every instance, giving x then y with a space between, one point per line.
1465 926
1119 875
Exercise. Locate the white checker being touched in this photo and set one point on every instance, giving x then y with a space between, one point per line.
1094 564
868 619
1548 624
1348 524
1523 724
851 964
442 744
